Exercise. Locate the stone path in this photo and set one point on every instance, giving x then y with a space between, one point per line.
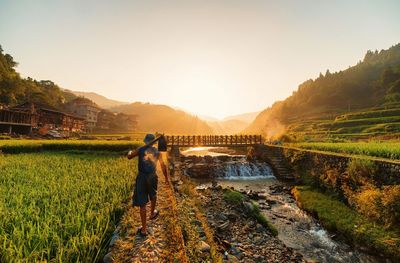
164 242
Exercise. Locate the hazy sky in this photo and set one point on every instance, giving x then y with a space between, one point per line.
213 58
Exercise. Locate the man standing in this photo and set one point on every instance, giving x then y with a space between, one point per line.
147 180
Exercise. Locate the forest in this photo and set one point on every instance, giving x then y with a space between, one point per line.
16 90
372 86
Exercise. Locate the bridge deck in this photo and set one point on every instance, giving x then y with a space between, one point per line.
214 140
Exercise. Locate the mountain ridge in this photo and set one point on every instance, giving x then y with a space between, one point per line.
373 82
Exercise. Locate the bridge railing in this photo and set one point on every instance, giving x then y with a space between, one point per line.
213 140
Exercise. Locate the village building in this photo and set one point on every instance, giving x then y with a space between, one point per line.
43 118
86 109
109 121
15 121
105 120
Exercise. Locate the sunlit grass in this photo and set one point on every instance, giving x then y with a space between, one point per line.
389 150
60 207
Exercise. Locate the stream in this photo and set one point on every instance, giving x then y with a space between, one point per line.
296 228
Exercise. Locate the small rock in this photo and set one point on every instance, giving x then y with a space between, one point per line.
260 228
204 247
249 206
257 239
234 250
232 259
232 216
108 258
114 239
258 258
222 217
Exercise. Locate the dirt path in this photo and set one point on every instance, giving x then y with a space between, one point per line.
164 242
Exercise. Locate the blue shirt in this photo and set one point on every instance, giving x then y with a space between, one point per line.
148 157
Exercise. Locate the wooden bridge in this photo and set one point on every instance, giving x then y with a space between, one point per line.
213 140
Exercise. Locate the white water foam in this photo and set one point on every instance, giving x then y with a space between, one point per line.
245 171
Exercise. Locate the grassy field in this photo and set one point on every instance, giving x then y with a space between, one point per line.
60 207
390 150
27 146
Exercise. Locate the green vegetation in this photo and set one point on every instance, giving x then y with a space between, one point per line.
27 146
237 199
359 102
336 216
256 213
381 204
389 150
58 207
15 90
233 197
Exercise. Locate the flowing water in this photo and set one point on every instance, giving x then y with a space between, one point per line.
296 228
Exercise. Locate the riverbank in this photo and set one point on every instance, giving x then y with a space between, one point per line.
297 229
357 229
229 225
354 197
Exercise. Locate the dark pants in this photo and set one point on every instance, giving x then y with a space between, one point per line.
145 189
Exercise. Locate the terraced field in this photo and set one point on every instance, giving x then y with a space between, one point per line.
390 150
368 123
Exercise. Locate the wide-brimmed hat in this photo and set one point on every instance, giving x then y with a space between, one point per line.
148 138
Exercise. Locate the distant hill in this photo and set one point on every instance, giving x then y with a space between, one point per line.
162 118
100 100
245 117
228 126
232 124
16 90
321 107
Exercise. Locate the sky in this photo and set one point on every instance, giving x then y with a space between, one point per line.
211 58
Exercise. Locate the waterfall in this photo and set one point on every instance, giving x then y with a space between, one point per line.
243 170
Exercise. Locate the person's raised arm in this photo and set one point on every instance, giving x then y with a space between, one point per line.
164 169
133 154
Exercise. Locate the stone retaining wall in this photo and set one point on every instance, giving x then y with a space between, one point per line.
388 172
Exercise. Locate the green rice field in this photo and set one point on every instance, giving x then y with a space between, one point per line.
389 149
57 207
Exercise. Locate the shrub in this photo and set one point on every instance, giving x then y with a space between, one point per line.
361 171
368 203
359 174
233 197
391 204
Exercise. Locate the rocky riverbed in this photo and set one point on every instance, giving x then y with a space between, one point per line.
299 232
240 237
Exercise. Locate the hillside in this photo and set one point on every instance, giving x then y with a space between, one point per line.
232 124
358 102
162 118
100 100
15 90
227 126
245 117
